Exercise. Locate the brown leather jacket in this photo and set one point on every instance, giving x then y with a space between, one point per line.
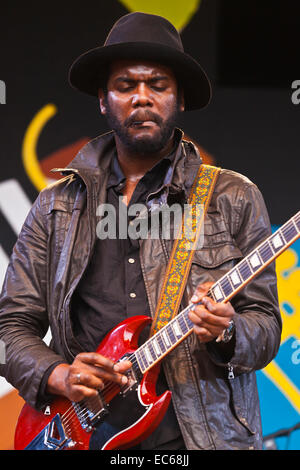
54 248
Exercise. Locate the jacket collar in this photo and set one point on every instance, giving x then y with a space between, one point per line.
94 160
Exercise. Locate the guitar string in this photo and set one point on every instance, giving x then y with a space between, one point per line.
111 386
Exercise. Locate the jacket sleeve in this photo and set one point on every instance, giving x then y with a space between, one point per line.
23 310
257 318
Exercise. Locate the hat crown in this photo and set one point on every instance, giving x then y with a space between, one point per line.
143 27
144 37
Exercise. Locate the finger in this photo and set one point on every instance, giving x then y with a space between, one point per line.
201 291
223 309
79 392
93 375
204 334
104 363
201 316
95 359
86 378
107 376
122 366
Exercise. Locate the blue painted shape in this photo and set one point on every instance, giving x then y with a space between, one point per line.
276 410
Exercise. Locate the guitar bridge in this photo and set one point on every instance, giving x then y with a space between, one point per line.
90 412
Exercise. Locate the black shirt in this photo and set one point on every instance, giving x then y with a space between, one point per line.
112 288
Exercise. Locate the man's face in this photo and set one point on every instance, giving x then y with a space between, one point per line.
141 104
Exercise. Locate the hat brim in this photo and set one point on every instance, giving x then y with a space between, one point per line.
86 72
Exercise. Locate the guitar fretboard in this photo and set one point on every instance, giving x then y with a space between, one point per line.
168 337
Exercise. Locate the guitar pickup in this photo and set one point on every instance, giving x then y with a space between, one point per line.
133 375
132 383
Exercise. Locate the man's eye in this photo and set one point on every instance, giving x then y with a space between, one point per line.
159 86
125 88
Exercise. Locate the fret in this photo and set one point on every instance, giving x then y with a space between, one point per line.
217 292
226 285
139 361
235 278
213 295
144 357
161 343
148 354
150 346
265 251
255 261
277 242
182 324
189 322
171 334
297 220
289 231
165 337
244 269
295 225
230 281
137 369
177 329
156 347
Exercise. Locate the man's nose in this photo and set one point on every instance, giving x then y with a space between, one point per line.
142 96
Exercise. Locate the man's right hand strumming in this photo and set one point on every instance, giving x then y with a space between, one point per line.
85 376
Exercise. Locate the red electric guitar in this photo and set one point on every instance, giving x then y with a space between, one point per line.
90 423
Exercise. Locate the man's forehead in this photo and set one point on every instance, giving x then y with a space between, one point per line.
142 67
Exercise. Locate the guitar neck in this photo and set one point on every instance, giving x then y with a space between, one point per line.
168 337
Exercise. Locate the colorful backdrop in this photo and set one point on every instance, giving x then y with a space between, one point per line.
249 50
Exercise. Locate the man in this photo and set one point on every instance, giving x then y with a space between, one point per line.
62 275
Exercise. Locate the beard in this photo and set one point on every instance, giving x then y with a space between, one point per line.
145 144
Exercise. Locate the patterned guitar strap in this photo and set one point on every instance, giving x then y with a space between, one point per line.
184 247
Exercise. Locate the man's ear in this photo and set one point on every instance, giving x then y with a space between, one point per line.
102 101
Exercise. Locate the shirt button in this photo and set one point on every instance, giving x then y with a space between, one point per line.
132 295
131 260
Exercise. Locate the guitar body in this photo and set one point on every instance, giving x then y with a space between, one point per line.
67 425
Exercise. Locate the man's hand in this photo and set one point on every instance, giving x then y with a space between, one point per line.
210 318
85 376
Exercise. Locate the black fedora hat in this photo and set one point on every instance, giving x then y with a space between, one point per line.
142 36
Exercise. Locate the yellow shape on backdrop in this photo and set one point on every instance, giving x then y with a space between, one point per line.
288 274
29 152
177 12
284 384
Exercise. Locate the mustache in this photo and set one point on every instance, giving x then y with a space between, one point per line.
139 116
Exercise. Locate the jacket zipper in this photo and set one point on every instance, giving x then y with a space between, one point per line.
230 371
